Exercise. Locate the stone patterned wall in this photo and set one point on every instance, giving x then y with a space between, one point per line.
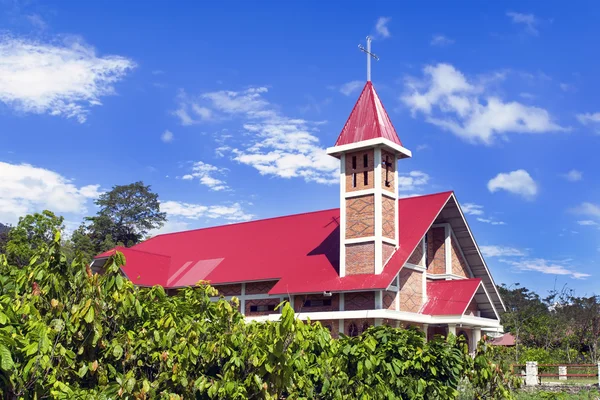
259 287
459 264
360 170
416 257
229 290
360 216
300 300
411 290
359 301
387 250
391 174
436 250
360 258
388 217
472 308
389 300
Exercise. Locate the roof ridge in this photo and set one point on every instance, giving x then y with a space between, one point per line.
352 112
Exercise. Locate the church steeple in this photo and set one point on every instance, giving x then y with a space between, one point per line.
368 148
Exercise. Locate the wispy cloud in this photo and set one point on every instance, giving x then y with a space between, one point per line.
450 101
276 144
590 119
491 221
351 87
381 27
546 267
573 175
193 211
205 173
412 183
472 209
588 222
501 251
530 21
587 209
57 79
167 136
25 189
518 182
441 40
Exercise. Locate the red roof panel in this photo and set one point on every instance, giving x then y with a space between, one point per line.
450 297
368 120
301 251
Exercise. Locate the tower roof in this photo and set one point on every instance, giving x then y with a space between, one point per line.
368 120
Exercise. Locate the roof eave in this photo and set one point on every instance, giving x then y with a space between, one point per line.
402 152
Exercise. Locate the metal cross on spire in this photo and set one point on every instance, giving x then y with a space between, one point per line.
369 56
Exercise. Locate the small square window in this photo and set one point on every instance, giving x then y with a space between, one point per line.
353 162
366 160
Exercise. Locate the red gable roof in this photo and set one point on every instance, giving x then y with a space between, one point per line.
301 251
368 120
450 297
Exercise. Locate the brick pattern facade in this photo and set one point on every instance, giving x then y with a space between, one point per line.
387 251
358 326
359 301
229 290
333 325
436 250
360 216
360 258
411 290
265 302
389 300
357 173
391 183
459 264
472 308
259 287
388 217
416 257
300 300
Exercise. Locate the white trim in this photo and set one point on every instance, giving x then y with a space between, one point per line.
478 251
397 216
445 276
378 299
378 203
470 271
243 299
389 314
489 299
424 257
448 248
358 193
424 287
337 150
342 300
342 215
360 240
414 267
398 293
425 329
388 194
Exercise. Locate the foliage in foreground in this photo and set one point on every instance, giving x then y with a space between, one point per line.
68 333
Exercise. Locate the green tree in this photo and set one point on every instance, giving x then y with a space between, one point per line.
33 232
3 237
127 213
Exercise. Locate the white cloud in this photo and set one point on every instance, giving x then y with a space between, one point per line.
518 182
588 209
490 221
501 251
167 136
169 227
422 147
546 267
381 27
589 119
25 189
472 209
276 144
56 79
588 222
529 20
573 175
441 40
205 174
37 21
232 212
350 87
448 100
412 182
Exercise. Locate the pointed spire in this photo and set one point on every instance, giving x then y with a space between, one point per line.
368 120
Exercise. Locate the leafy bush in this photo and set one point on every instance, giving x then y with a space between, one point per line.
68 333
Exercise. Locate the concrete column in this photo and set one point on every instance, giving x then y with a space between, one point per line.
452 329
425 329
476 337
378 322
562 373
531 373
599 374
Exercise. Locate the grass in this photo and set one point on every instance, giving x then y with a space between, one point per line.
542 395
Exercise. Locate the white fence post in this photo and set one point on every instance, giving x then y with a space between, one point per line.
562 373
531 373
599 374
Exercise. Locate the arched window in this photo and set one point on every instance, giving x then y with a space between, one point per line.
365 326
352 330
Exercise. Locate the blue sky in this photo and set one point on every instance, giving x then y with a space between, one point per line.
226 109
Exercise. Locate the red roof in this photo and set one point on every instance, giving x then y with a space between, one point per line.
505 340
368 120
301 251
450 297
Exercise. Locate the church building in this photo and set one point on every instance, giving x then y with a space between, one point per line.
376 259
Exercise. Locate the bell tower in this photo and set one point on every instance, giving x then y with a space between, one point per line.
368 149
